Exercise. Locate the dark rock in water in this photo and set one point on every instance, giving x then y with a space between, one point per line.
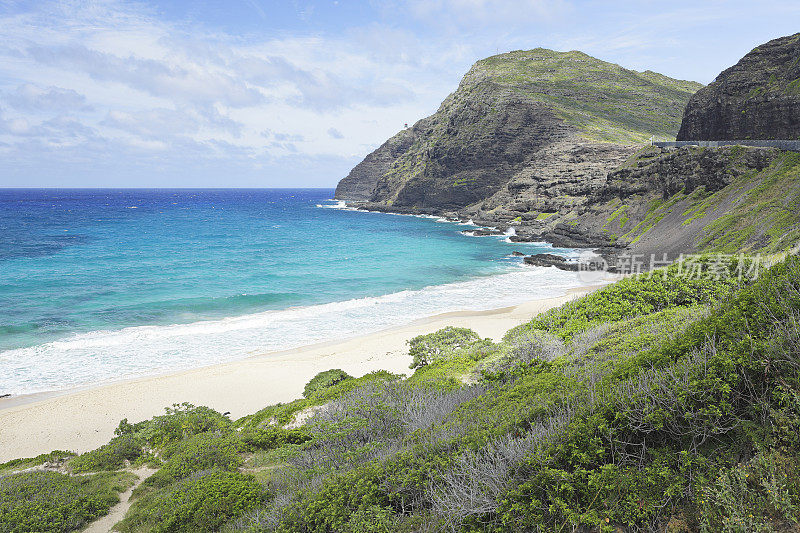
4 395
757 98
548 260
517 254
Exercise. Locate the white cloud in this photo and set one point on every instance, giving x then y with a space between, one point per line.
30 97
115 75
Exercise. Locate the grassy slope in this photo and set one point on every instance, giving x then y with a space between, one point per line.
758 211
605 101
646 402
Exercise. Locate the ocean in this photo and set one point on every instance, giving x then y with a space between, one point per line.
100 285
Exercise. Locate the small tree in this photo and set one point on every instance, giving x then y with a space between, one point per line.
426 349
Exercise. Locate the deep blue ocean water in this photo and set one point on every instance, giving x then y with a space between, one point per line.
97 285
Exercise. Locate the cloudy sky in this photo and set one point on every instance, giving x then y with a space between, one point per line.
256 93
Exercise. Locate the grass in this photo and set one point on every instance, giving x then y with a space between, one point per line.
762 207
604 101
769 208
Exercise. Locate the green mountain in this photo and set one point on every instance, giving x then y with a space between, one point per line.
507 109
554 144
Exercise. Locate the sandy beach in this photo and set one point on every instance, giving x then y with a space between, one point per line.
81 420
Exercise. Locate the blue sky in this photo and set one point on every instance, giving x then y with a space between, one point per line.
254 93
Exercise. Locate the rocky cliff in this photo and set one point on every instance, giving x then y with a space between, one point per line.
553 144
511 116
757 98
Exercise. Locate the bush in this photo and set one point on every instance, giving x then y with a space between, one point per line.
373 519
325 380
752 496
53 502
270 437
202 502
428 348
200 452
180 422
111 456
637 296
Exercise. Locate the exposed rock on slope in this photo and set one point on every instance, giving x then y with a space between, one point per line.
758 98
691 199
509 112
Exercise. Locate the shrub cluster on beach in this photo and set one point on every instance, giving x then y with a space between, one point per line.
661 402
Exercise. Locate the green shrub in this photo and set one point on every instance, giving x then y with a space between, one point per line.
270 437
111 456
204 501
180 422
325 380
53 502
426 349
283 414
637 296
200 452
373 519
752 496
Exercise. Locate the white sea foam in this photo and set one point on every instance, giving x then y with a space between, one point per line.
102 356
338 204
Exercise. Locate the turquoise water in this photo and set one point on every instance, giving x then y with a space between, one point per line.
100 285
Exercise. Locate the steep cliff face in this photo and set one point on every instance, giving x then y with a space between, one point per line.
360 183
758 98
511 113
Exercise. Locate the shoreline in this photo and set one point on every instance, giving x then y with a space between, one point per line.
81 419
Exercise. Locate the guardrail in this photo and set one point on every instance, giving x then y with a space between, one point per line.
780 144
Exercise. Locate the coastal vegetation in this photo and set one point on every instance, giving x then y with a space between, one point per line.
56 502
666 400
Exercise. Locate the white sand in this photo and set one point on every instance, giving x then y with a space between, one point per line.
82 420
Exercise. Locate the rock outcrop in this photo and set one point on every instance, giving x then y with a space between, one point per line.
757 98
360 183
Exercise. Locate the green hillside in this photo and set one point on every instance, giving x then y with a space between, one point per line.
604 101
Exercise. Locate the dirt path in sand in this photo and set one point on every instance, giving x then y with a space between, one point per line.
117 513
